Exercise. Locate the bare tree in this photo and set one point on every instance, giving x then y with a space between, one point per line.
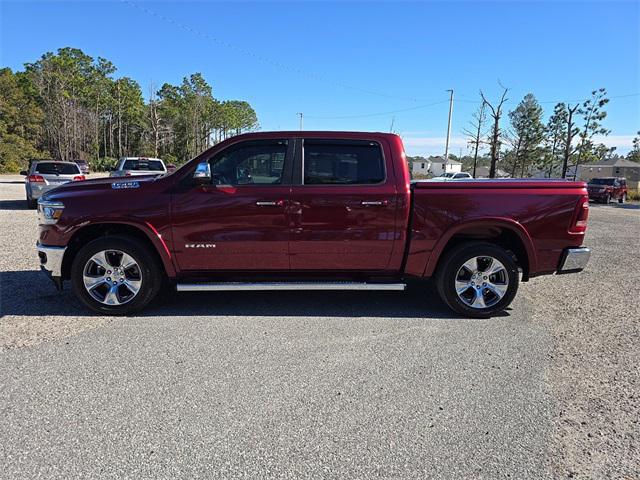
154 119
571 132
496 113
475 135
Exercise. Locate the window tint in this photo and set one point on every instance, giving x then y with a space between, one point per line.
58 168
138 165
250 164
342 163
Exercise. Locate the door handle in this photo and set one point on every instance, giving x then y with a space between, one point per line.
278 203
374 203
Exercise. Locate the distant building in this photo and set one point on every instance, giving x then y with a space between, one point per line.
483 172
422 167
438 166
616 167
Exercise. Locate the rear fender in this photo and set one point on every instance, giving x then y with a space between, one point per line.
470 225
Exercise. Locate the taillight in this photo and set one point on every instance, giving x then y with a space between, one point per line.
35 178
579 223
77 178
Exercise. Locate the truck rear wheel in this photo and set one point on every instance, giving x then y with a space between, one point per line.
623 198
477 279
115 275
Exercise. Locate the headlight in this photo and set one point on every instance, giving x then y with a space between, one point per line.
49 212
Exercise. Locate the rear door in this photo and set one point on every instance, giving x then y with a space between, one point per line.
343 206
239 221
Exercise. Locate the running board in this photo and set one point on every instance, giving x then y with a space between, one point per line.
228 286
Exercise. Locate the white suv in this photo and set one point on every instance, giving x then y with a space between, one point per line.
453 176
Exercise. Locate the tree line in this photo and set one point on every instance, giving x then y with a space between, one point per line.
527 145
68 105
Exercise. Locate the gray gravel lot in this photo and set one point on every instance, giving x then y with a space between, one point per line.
322 385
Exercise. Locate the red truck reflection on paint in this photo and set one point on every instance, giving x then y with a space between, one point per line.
309 211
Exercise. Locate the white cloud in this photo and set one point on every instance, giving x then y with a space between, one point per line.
426 146
622 142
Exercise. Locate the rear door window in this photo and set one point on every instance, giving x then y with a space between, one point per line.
342 163
144 165
57 168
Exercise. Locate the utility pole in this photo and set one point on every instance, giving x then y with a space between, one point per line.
301 120
446 148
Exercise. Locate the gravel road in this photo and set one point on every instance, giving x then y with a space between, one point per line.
322 385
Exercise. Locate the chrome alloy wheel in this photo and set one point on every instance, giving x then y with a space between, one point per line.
481 282
112 277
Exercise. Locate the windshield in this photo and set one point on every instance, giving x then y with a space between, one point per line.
447 175
602 181
151 165
57 168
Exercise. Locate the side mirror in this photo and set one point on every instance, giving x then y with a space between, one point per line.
202 175
24 172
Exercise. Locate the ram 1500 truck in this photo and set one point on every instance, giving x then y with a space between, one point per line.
308 211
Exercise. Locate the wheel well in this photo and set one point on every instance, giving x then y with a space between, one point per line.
92 232
503 237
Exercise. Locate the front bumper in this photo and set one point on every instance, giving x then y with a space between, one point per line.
598 195
51 259
574 260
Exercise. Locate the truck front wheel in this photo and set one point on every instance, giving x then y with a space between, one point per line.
115 275
477 279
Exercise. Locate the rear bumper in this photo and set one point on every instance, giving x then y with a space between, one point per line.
36 191
574 260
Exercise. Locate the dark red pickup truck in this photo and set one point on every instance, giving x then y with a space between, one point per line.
308 211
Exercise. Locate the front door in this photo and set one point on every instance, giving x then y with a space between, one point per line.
239 221
343 210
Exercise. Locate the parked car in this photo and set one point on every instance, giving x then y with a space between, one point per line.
84 166
308 211
137 166
606 189
46 175
452 176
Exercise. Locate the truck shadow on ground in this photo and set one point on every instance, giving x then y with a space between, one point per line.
30 293
13 205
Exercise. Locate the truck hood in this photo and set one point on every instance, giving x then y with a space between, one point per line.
101 184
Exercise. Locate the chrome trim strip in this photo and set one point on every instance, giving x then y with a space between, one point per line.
222 286
54 258
575 259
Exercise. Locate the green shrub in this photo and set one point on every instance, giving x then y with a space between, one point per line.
103 164
633 195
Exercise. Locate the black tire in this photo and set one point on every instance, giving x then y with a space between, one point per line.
31 204
623 198
151 274
607 200
453 262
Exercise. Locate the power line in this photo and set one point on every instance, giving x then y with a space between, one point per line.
377 113
260 58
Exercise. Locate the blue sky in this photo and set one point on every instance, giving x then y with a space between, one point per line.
343 63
